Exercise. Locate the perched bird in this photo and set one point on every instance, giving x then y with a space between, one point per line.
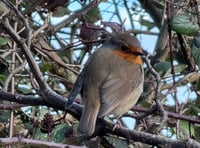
111 81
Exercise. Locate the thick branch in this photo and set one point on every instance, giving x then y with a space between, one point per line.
22 99
104 127
147 138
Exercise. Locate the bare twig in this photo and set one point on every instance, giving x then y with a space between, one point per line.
189 78
129 13
42 27
45 90
77 14
34 67
170 114
117 12
159 105
169 16
11 74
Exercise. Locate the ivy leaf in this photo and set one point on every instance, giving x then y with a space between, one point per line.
184 24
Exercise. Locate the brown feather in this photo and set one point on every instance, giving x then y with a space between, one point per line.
112 83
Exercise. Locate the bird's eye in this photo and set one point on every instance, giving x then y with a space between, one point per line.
124 48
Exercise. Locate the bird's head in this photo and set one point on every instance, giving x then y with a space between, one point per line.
127 47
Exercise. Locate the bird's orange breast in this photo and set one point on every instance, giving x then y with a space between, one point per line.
129 57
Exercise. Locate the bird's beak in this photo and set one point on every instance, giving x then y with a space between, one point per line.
138 53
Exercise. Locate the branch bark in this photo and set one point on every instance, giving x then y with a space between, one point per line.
35 143
104 127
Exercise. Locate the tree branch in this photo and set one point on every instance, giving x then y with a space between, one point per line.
147 138
170 114
45 91
35 143
104 127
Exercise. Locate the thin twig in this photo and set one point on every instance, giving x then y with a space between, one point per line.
77 14
159 105
190 119
39 30
11 74
129 14
169 16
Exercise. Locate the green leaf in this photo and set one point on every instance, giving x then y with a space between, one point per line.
185 125
93 15
61 11
197 133
177 69
3 41
58 134
164 68
4 116
44 67
39 135
196 50
2 78
184 24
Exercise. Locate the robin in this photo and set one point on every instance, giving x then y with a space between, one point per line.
111 81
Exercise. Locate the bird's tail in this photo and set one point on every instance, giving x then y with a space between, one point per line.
88 121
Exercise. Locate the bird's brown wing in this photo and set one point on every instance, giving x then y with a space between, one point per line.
112 92
75 90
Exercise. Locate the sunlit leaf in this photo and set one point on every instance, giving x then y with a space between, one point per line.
183 24
23 88
185 126
197 133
